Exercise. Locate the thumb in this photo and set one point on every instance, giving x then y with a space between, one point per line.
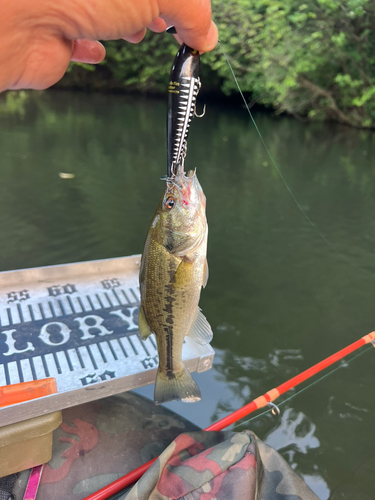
192 20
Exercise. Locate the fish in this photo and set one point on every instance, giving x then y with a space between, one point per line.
172 273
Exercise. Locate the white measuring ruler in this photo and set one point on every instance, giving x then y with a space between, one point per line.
78 324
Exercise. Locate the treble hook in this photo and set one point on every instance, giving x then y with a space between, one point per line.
275 410
203 112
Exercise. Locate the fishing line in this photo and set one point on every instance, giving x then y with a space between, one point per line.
307 387
312 224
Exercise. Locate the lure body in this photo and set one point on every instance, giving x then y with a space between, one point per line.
183 88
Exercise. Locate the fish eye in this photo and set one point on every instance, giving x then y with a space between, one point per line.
170 203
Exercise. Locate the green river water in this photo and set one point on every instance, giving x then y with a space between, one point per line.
279 298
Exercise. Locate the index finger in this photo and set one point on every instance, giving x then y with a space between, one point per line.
192 20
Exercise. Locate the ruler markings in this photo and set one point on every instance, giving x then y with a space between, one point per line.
57 362
114 298
95 355
51 365
120 300
20 313
33 371
61 306
150 347
153 342
80 303
41 310
144 346
123 343
77 306
108 298
48 311
52 309
84 309
62 362
14 377
26 370
103 300
113 350
87 358
74 359
32 315
26 317
57 308
99 300
131 342
90 301
6 373
126 297
137 297
65 306
9 316
4 317
15 315
108 352
3 380
20 372
87 304
35 312
45 366
138 345
100 349
80 359
123 350
71 304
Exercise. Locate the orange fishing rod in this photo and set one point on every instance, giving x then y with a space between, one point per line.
256 404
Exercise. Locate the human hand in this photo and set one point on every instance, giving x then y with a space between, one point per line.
39 38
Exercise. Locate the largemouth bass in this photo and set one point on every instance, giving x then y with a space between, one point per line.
173 271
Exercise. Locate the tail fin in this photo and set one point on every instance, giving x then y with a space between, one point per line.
179 386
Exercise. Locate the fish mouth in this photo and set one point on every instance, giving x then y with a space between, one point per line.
182 181
180 174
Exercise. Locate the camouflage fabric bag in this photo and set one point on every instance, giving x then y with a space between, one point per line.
219 466
99 442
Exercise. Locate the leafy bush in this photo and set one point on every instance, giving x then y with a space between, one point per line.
311 58
314 59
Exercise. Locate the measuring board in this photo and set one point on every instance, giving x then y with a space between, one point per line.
79 324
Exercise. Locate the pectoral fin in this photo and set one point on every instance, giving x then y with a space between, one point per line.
205 275
144 329
200 330
184 273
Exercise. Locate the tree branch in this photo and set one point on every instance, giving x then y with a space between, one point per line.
315 89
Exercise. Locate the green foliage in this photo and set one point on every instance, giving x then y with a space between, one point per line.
144 66
314 59
13 103
88 67
310 58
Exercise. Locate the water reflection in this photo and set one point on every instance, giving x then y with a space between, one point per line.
296 434
279 298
